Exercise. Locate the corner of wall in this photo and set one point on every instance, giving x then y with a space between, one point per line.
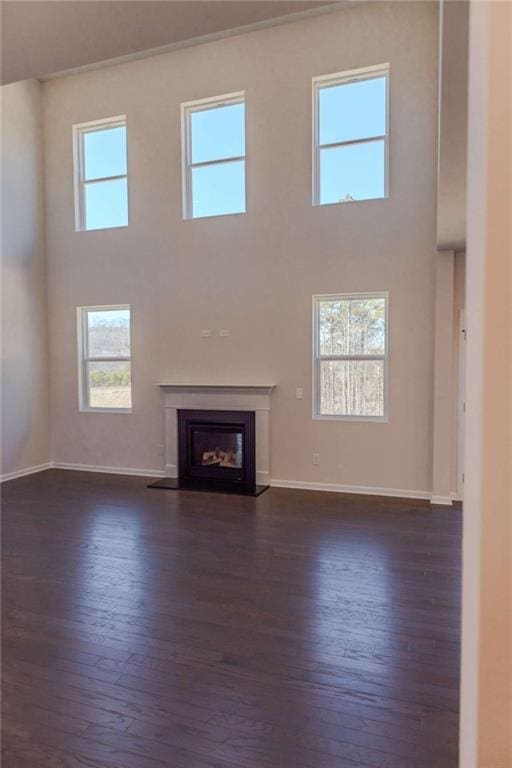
25 369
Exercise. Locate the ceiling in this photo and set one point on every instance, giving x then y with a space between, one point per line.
43 37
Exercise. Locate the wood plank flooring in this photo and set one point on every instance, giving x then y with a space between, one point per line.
147 628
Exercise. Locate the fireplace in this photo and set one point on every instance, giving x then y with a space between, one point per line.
216 448
216 437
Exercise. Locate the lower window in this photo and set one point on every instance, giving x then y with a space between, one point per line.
350 356
104 358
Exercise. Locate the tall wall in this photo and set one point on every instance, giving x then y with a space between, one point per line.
253 274
449 371
24 380
453 97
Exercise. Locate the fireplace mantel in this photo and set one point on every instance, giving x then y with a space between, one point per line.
223 397
252 389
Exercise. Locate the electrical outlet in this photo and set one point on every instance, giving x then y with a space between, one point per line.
224 332
316 459
299 393
205 333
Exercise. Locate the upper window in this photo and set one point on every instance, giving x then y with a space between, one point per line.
350 159
104 358
350 356
213 147
101 181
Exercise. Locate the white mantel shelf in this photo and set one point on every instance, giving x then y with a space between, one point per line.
247 389
221 397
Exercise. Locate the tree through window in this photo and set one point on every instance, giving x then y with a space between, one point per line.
350 350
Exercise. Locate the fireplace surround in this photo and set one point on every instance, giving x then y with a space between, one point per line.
218 400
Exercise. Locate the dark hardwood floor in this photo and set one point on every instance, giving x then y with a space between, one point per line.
145 628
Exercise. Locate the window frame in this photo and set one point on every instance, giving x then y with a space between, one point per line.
317 357
343 78
200 105
80 183
84 359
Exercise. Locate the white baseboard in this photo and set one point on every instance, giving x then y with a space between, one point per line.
109 470
26 471
443 501
366 490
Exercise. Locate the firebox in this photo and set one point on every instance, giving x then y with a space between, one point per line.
216 450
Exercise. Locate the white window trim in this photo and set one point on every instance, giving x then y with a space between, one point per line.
317 357
79 130
186 149
340 78
83 358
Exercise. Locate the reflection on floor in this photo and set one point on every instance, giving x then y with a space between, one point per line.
144 628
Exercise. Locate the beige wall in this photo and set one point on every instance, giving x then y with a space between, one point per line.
451 215
459 304
486 696
253 274
443 378
25 422
448 372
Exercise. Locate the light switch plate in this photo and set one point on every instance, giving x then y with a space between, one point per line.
205 333
299 393
224 332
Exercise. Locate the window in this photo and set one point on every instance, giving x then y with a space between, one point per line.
104 358
350 152
350 356
101 180
213 150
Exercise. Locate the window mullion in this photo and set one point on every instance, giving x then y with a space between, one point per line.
220 161
108 359
188 165
87 388
341 358
85 332
351 142
81 173
105 178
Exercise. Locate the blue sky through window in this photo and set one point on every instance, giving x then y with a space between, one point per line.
352 172
218 189
350 112
216 134
104 155
106 204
